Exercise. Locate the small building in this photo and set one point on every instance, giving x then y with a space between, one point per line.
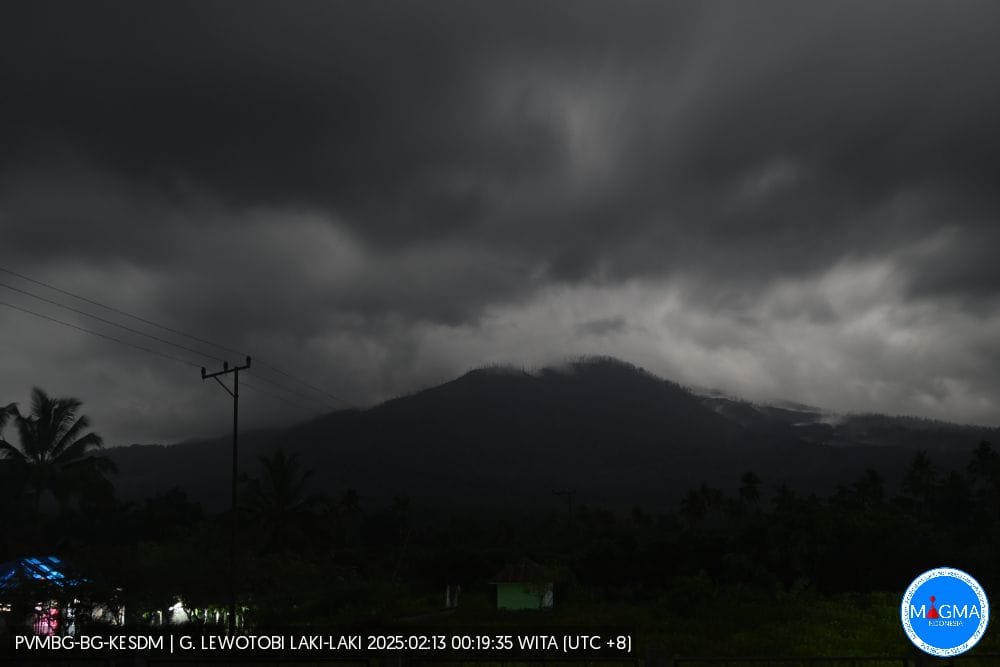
43 580
524 585
45 592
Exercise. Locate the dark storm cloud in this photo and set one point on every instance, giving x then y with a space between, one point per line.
780 126
354 182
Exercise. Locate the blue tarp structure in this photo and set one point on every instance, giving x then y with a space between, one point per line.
41 569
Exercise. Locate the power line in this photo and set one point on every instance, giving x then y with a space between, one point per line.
293 392
303 382
153 337
149 350
112 323
170 329
102 335
277 397
119 311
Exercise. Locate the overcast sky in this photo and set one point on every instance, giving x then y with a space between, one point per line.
779 199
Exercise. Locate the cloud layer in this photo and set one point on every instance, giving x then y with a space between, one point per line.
780 199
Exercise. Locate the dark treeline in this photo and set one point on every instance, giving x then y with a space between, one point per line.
309 558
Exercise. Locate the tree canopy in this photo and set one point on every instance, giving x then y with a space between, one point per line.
56 452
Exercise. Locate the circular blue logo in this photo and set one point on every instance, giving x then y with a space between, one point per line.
945 612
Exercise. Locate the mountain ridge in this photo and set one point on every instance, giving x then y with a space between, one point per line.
501 436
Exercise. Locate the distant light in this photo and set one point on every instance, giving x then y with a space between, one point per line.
177 613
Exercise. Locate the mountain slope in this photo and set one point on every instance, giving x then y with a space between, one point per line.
497 436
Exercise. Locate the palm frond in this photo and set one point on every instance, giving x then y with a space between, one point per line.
10 453
64 413
54 450
6 413
41 409
78 449
102 464
70 435
27 432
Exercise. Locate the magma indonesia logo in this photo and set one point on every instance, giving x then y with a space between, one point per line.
945 612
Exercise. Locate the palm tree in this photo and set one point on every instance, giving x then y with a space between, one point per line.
693 507
56 453
8 483
278 501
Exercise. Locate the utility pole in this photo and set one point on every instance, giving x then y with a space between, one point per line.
235 393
